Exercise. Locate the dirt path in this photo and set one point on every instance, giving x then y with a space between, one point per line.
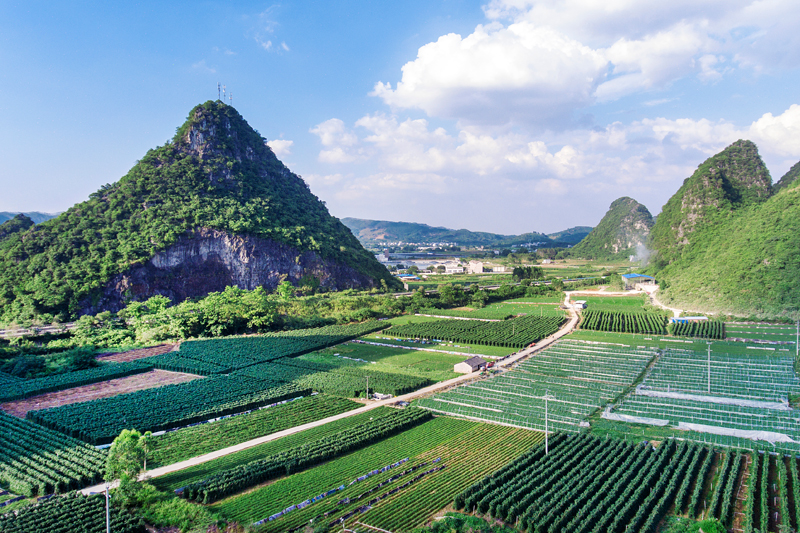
133 355
105 389
157 472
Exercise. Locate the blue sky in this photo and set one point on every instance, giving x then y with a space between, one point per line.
504 115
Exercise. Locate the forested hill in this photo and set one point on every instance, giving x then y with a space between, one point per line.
378 232
726 242
624 228
212 207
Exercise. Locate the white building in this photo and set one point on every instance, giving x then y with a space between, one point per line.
500 269
475 267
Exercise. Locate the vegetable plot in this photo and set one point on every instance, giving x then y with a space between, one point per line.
68 514
585 484
515 333
650 322
35 461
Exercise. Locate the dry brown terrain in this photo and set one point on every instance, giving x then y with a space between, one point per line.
114 387
140 353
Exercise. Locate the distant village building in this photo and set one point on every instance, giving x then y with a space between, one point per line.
546 261
453 268
500 269
630 281
475 267
381 258
473 364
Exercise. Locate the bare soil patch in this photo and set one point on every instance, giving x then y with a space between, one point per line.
105 389
140 353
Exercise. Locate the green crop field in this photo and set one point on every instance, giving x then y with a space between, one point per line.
457 444
196 473
516 333
580 378
766 332
460 347
590 484
190 442
498 311
432 365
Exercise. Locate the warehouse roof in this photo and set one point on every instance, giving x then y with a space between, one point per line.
632 276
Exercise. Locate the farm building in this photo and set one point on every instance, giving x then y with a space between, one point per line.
453 268
470 365
629 281
579 304
499 269
475 267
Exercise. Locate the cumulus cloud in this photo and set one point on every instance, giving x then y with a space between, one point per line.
409 164
535 71
539 63
281 147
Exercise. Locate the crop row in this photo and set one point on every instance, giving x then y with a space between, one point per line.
213 356
242 477
515 333
584 484
20 389
176 446
705 329
100 421
625 321
35 461
68 514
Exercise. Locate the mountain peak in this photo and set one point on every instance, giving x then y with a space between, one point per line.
730 180
623 229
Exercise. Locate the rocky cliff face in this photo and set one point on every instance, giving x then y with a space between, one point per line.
623 229
208 260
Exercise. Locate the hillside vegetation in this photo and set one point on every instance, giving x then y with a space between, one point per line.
624 227
217 172
726 243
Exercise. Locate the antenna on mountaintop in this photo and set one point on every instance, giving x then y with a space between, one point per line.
223 94
231 97
219 95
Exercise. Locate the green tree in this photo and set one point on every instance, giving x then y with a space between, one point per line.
126 459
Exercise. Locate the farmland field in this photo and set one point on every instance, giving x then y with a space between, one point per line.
196 473
747 396
67 514
515 333
590 484
459 347
457 444
766 332
35 461
190 442
498 311
579 377
95 391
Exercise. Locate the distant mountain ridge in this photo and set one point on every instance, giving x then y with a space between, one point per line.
37 216
623 230
383 231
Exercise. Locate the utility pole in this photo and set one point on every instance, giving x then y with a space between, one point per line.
108 513
546 422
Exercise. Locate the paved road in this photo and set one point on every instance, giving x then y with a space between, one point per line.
158 472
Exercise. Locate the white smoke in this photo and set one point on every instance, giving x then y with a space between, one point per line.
642 253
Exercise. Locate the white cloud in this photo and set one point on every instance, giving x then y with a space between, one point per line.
520 73
280 147
780 134
410 166
266 45
539 62
285 46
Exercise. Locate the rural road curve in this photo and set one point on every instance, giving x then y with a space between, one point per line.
200 459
